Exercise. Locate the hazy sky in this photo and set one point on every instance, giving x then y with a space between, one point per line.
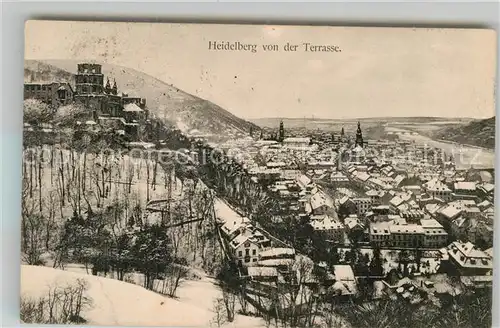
379 72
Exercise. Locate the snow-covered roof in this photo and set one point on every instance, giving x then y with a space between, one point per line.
132 107
488 187
470 186
410 228
430 223
343 272
296 140
450 211
352 222
396 201
326 223
436 185
363 176
277 251
319 199
304 180
255 271
466 255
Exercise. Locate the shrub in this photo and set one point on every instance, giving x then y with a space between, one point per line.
35 112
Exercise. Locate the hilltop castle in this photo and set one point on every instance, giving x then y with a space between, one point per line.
101 99
104 99
89 90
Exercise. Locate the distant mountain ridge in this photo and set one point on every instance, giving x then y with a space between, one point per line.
165 101
479 133
298 121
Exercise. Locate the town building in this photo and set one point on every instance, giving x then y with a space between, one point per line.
344 281
397 233
339 179
468 260
363 205
296 142
435 235
437 189
407 235
330 226
321 204
464 190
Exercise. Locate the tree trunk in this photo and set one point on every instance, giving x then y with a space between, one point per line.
31 175
61 171
40 170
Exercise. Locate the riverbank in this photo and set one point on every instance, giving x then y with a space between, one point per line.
465 156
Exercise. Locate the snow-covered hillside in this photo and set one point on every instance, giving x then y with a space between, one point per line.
120 303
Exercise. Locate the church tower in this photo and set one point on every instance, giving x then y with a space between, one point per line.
281 135
359 136
107 88
115 88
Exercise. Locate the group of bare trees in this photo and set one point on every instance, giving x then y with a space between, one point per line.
61 304
89 208
58 182
289 301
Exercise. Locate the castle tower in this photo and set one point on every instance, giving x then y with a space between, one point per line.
359 136
281 135
89 86
89 79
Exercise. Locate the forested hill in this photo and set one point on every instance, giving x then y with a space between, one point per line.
477 133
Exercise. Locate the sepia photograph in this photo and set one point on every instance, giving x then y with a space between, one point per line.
247 176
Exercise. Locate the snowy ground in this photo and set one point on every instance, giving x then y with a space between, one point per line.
121 303
430 260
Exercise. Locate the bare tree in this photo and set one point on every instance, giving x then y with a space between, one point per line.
220 315
61 305
34 225
130 174
174 276
293 296
229 300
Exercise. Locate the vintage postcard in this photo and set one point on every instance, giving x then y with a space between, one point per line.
209 175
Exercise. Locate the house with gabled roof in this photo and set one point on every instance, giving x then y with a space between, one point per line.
245 249
437 189
468 260
331 227
321 204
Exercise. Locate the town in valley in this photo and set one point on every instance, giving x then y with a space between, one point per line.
201 218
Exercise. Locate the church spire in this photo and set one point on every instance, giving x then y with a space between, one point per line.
108 86
281 135
115 88
359 136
